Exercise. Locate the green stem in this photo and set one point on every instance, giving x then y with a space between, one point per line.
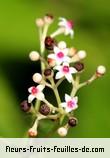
37 105
55 90
94 77
75 85
60 81
42 45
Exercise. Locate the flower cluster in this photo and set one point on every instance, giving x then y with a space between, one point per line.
61 63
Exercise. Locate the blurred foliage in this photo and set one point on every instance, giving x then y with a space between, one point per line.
18 36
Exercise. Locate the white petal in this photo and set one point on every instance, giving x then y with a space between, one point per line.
71 33
68 77
62 19
40 96
59 75
63 104
65 64
56 50
51 56
65 51
67 31
30 98
30 89
66 59
40 87
73 70
68 109
67 98
57 68
61 23
59 61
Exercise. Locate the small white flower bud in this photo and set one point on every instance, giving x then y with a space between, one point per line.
39 22
32 132
37 77
34 55
62 131
62 45
101 70
81 54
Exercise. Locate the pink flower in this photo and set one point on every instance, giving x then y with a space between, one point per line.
70 103
65 70
36 92
68 25
60 55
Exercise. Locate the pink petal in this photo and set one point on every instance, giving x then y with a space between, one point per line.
75 107
75 99
70 109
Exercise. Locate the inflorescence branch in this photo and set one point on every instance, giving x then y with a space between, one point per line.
61 63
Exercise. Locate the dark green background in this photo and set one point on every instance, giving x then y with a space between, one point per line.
18 36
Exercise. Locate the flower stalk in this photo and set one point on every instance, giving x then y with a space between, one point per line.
61 63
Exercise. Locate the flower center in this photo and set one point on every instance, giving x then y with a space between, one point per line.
70 104
70 24
34 90
66 69
60 55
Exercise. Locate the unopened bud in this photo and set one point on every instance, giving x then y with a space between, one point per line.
78 56
48 73
73 122
32 132
48 18
25 106
40 22
49 43
62 45
79 66
34 55
81 54
44 109
100 70
62 131
37 77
